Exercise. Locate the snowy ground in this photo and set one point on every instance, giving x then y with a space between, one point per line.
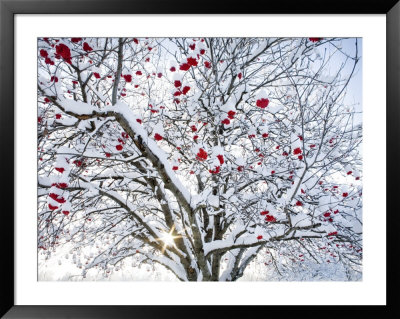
60 268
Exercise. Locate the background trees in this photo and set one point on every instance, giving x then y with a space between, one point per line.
200 154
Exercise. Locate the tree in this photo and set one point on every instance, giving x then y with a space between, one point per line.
199 154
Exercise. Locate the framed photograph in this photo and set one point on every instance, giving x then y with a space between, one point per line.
168 159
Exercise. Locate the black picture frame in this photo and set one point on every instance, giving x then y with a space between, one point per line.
8 10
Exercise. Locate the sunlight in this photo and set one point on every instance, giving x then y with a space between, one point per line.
168 239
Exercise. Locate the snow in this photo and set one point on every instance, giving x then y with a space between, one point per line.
67 121
273 109
77 107
213 201
301 220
